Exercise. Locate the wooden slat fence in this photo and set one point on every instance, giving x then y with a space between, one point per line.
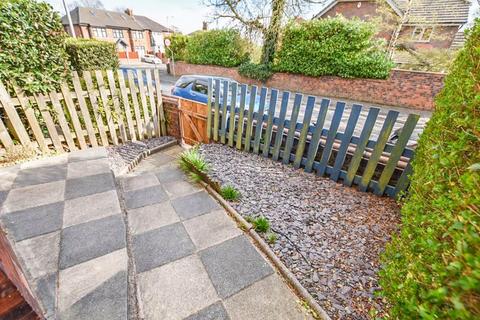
97 108
251 123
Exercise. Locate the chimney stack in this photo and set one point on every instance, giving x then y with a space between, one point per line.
129 11
204 26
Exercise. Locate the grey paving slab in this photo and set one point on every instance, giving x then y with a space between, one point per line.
89 240
88 154
34 196
151 217
159 159
7 176
40 254
87 168
170 173
35 221
174 151
45 162
180 188
234 265
176 290
89 208
79 281
193 205
33 176
215 311
160 246
211 228
144 197
85 186
46 290
107 302
267 299
139 182
3 196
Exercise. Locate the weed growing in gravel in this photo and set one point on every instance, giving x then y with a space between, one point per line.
272 237
261 224
230 193
193 163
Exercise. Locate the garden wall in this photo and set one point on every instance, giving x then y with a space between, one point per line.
409 89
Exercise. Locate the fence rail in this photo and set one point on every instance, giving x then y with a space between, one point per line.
237 118
99 108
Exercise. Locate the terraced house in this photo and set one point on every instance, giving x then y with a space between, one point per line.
134 34
419 24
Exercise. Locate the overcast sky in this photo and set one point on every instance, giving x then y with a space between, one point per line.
187 15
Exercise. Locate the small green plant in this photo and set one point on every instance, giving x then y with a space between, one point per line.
230 193
260 72
193 163
261 224
272 237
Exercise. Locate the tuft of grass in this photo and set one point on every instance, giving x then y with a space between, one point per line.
230 193
272 237
192 163
261 224
16 154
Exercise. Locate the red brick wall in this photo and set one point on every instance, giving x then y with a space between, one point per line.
409 89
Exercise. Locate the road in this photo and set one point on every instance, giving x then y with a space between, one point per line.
168 81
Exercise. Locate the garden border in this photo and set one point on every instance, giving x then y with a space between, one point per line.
264 247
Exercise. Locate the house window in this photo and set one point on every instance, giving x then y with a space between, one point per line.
140 50
99 32
118 34
422 34
137 34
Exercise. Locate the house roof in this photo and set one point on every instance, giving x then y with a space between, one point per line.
104 18
423 11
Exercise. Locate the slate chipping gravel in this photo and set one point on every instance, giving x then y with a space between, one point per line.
329 236
122 155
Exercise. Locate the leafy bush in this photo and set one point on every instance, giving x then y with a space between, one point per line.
260 72
333 46
218 47
178 44
432 268
32 45
91 54
230 193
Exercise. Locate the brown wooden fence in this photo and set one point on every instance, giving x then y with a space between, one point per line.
94 109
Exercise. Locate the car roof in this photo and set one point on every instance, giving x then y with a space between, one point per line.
191 77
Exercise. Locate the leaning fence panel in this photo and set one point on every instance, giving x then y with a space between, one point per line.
325 144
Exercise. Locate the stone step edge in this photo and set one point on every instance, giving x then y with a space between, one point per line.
265 248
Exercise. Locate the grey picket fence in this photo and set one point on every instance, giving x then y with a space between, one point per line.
237 117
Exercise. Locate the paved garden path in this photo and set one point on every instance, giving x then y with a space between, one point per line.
145 245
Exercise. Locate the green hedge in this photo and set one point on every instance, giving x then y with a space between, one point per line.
32 45
333 46
178 44
217 47
260 72
90 54
432 268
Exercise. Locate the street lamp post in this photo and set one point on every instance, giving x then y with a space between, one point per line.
72 31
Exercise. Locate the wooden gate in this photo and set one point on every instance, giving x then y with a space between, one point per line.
193 121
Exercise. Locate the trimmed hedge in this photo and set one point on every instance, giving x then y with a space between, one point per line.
333 46
260 72
178 44
217 47
91 54
432 268
32 45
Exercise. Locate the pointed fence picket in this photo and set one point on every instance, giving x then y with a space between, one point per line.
89 111
254 125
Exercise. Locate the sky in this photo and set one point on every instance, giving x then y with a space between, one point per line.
187 15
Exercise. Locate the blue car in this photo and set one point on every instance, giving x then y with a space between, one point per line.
195 87
125 71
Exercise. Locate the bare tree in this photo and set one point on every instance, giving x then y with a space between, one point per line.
97 4
263 17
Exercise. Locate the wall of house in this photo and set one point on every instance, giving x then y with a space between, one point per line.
364 10
409 89
442 37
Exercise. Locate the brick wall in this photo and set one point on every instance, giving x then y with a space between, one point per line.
409 89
